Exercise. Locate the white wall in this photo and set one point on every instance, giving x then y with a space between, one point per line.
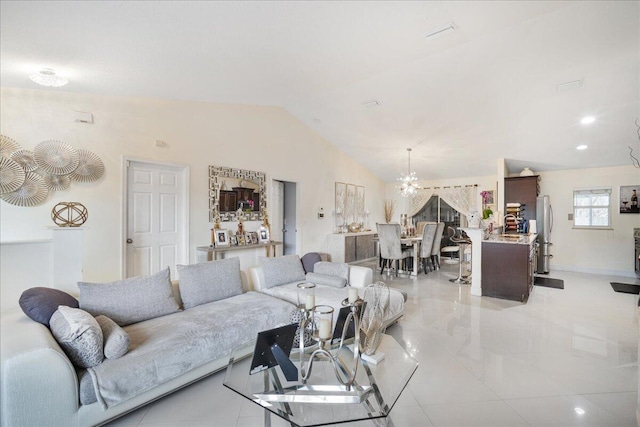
197 134
591 251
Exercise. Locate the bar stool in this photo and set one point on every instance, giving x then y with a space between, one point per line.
450 250
463 242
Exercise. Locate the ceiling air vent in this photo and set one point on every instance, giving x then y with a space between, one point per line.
371 104
450 28
572 85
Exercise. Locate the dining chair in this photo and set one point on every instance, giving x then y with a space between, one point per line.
435 248
420 226
391 247
428 236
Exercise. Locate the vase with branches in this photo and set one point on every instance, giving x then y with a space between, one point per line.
389 208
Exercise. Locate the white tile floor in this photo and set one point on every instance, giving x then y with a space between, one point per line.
565 358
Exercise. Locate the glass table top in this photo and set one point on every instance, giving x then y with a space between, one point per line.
322 400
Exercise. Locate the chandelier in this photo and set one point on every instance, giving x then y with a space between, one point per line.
409 183
47 77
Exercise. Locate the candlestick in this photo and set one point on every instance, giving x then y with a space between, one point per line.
353 295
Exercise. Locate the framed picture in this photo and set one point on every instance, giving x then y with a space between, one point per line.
222 238
241 241
254 237
233 240
247 238
629 199
263 235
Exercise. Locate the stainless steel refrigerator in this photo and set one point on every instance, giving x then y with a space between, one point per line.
544 223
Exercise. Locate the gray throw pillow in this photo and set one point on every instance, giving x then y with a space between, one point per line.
40 303
282 270
309 260
130 300
79 335
324 279
116 340
336 269
209 281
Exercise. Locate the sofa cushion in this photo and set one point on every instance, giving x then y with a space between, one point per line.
40 303
282 270
79 335
336 269
130 300
167 347
309 260
209 281
116 340
324 279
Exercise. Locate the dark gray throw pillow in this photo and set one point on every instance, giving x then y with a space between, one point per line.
130 300
40 303
79 335
209 281
309 260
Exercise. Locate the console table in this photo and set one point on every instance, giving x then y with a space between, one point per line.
352 247
212 252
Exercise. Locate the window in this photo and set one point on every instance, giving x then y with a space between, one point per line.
592 208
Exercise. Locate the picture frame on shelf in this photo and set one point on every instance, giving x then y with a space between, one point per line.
254 237
263 235
221 238
241 240
233 240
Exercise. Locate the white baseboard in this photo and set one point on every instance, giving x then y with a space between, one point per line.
621 273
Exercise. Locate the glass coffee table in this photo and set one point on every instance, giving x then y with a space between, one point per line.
322 400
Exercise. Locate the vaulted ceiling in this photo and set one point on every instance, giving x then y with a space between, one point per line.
487 90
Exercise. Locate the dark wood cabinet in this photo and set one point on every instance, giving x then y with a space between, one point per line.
507 270
231 200
228 201
523 190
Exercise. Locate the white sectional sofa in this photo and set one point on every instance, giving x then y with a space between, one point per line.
40 386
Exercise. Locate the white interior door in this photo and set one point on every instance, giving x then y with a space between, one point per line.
157 212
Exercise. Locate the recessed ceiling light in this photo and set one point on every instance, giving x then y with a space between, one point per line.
579 411
439 32
587 120
582 147
47 77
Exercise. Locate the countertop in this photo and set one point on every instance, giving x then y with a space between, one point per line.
514 239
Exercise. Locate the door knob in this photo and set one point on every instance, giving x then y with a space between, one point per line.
129 241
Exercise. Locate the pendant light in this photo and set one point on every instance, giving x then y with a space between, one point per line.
409 183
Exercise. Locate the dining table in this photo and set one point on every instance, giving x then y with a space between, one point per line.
414 242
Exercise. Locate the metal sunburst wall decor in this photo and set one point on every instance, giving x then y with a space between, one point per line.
27 178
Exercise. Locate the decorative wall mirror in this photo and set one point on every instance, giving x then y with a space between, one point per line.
231 189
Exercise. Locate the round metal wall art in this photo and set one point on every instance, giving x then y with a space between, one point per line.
57 182
90 167
56 157
25 159
11 175
7 146
69 214
31 193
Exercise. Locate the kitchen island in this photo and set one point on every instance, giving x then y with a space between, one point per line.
508 265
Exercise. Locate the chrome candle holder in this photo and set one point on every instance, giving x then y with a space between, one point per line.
322 321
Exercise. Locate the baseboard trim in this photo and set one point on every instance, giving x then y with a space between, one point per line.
621 273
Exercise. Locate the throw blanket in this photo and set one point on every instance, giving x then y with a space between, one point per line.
166 347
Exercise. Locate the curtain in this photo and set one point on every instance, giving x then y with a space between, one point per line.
462 199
